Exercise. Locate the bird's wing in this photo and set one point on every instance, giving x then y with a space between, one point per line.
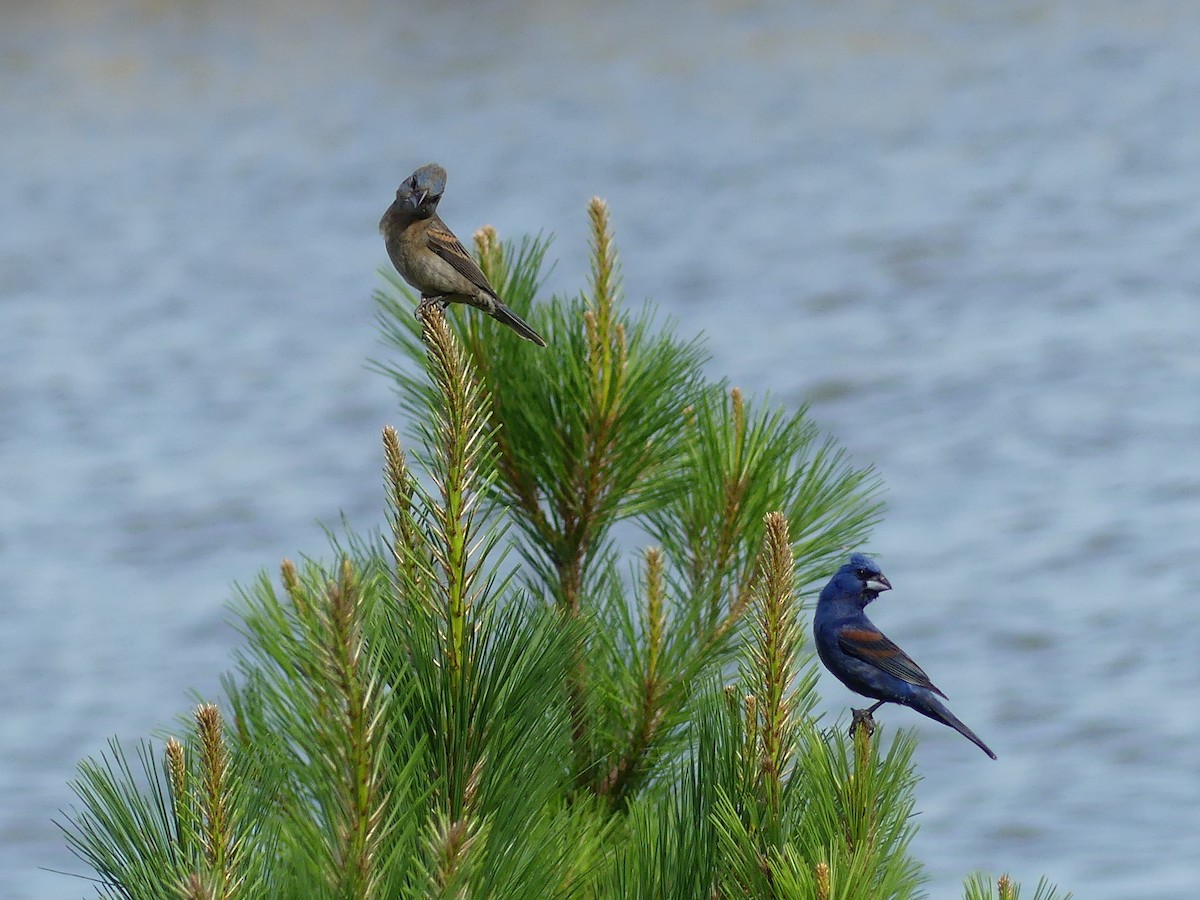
443 242
874 647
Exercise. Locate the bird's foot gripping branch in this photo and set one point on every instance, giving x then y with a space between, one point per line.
862 718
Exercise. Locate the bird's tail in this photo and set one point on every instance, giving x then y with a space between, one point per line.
502 313
937 711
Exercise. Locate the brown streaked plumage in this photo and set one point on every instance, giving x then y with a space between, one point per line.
430 258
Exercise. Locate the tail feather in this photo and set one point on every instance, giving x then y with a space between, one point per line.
502 313
936 710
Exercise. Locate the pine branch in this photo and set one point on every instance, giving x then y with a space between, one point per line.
462 438
980 887
773 661
214 802
651 710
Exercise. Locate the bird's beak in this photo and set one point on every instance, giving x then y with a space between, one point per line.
879 584
412 201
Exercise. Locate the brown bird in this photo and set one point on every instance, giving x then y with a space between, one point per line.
431 259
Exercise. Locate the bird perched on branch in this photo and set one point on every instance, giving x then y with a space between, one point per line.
431 259
864 659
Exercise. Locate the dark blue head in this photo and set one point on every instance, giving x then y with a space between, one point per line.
865 575
421 191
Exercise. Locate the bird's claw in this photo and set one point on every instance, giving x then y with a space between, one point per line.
429 301
862 718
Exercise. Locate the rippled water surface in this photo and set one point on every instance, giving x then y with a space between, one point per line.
965 232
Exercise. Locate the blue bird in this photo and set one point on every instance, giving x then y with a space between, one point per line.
863 659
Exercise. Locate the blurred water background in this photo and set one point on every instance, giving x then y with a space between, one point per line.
965 232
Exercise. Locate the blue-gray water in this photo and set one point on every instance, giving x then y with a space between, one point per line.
966 232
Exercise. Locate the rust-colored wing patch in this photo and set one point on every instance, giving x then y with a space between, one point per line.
875 648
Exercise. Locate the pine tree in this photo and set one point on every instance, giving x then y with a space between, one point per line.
577 666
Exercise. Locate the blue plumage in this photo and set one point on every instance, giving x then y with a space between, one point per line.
420 192
864 659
